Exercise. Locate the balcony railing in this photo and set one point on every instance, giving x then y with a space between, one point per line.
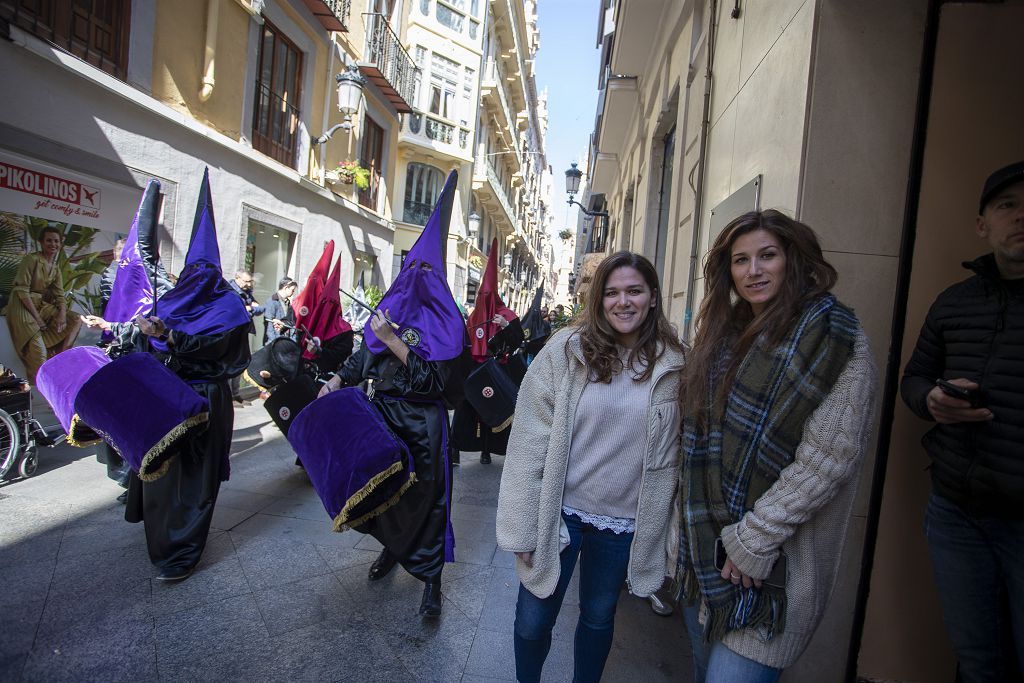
493 74
499 191
439 130
332 14
388 64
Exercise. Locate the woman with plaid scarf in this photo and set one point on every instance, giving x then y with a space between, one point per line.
777 396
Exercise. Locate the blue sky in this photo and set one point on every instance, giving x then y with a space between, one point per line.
567 66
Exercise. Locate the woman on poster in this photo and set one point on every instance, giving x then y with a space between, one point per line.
37 314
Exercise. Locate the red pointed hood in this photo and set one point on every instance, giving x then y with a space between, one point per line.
326 321
305 301
488 304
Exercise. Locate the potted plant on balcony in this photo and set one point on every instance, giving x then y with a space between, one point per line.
350 172
565 234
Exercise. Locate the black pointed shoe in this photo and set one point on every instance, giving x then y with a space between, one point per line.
382 566
485 458
430 606
174 574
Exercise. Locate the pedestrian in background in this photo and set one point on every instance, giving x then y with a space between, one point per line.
777 395
591 467
973 337
278 316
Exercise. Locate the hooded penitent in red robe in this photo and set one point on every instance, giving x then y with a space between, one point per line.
488 305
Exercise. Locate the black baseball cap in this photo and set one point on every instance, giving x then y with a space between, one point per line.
284 282
998 181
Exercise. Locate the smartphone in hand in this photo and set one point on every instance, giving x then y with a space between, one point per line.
973 396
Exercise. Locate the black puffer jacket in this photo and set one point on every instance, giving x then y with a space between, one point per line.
975 330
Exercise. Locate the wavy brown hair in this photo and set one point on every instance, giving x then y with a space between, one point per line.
727 321
597 338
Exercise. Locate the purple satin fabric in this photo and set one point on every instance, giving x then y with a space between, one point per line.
419 299
132 291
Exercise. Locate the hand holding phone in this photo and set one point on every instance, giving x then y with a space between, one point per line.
957 400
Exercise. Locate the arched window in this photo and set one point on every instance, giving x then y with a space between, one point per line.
422 186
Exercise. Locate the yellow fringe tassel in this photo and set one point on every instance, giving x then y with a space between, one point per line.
341 521
73 430
379 510
162 445
504 425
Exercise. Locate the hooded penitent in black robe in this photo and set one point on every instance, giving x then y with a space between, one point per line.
178 507
410 398
469 432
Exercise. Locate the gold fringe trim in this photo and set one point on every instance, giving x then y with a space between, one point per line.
73 430
162 445
340 522
504 425
248 378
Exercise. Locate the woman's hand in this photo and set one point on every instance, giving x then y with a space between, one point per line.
333 384
500 321
41 324
61 321
731 572
526 557
94 321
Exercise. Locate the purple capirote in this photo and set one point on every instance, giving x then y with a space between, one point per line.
419 300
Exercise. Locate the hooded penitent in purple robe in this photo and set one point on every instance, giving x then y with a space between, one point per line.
419 299
132 291
202 302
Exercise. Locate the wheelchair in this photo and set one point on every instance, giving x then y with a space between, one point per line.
20 433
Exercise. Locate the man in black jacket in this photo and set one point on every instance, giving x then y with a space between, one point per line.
973 338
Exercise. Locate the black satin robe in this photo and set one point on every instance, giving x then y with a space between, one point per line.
178 507
411 399
470 433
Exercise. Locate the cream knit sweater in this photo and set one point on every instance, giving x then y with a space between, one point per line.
806 513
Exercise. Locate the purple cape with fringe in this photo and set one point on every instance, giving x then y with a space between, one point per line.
132 291
419 299
59 380
201 302
357 465
142 409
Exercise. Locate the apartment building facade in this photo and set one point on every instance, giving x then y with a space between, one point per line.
876 124
114 93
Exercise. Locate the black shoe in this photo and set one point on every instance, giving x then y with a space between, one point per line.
383 565
430 606
174 574
485 458
123 498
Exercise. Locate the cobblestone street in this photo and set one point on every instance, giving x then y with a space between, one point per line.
277 595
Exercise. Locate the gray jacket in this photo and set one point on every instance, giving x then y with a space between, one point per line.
533 479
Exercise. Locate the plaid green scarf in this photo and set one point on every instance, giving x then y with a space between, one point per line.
751 436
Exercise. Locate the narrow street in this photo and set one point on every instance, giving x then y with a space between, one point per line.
277 596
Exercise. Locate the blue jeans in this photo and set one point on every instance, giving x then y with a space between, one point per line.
602 571
715 663
979 572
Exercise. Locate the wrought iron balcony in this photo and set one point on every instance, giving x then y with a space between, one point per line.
387 64
439 130
332 14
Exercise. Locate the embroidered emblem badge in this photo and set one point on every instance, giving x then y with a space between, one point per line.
410 336
488 392
285 412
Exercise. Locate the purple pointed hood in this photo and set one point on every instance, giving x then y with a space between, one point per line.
419 299
132 292
202 302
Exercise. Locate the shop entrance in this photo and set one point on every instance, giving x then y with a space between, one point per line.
268 256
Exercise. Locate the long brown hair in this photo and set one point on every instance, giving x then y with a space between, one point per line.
727 321
597 338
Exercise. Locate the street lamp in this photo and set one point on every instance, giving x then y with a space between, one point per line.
508 259
350 96
572 186
473 225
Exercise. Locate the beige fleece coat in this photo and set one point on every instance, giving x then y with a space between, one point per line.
533 479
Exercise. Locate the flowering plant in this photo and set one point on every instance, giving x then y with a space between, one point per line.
351 172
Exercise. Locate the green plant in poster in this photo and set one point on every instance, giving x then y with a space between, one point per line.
373 295
77 264
560 321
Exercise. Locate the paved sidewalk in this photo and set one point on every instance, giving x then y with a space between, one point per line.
277 596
